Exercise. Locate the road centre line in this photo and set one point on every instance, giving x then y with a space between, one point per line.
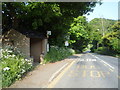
103 61
87 60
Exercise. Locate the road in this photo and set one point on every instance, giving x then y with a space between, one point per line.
89 71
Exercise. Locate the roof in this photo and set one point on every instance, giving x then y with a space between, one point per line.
31 33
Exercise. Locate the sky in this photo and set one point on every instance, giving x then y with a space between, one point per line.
108 10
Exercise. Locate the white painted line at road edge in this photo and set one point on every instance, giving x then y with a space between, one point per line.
108 64
103 61
55 74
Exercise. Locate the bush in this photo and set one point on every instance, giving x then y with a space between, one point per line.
14 65
106 51
115 44
57 53
102 50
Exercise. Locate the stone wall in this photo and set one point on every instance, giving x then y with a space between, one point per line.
16 39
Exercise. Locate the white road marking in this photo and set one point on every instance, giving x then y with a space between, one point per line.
118 77
111 69
87 60
108 64
55 74
103 61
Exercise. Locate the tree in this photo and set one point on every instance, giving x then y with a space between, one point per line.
99 28
115 27
43 16
78 32
111 39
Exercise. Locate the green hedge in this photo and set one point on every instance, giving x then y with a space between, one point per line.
57 54
102 50
14 65
106 51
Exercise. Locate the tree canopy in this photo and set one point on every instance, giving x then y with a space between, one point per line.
44 16
79 35
110 38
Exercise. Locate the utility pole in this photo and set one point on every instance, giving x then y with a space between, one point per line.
103 33
102 24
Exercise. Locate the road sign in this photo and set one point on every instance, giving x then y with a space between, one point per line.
48 32
47 47
66 43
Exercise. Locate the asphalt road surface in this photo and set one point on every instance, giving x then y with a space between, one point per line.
90 71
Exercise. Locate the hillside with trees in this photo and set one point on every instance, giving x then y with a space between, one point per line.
105 35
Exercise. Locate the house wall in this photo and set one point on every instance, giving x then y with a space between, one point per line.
18 40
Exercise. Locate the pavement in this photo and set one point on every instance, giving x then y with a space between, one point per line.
89 70
42 75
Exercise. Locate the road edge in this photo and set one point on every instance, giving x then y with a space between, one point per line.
52 84
54 75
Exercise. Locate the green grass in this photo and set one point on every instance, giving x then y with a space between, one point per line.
57 54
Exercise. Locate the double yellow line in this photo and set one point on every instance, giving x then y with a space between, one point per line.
52 84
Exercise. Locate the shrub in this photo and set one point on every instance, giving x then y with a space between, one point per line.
115 44
106 51
102 50
57 53
14 65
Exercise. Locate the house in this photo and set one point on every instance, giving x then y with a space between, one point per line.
31 44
